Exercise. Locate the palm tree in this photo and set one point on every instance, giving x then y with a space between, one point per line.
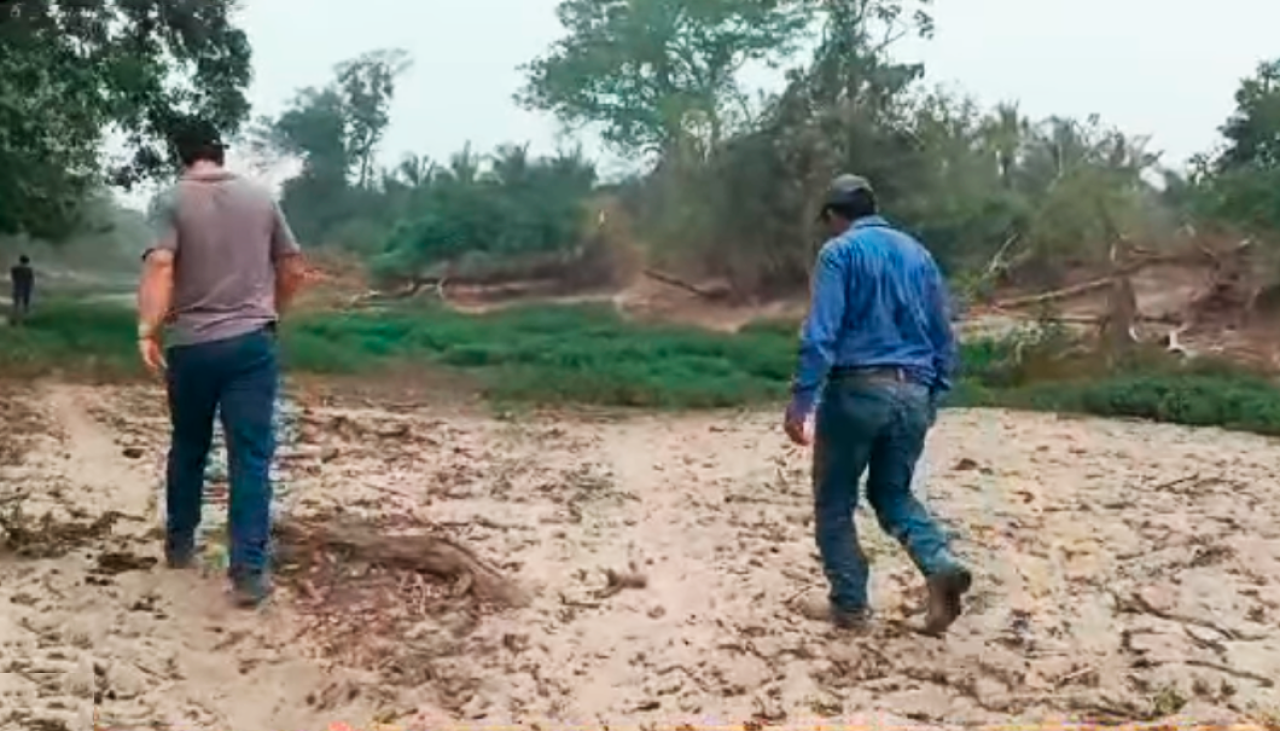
511 164
416 170
464 165
1006 132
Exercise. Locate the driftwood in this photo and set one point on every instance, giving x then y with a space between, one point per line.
1017 303
999 263
412 289
1100 319
425 553
1128 268
681 284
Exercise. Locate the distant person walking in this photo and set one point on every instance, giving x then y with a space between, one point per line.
877 353
23 279
223 267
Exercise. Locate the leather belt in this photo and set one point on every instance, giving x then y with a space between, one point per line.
877 373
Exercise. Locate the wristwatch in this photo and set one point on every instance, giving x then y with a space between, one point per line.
145 331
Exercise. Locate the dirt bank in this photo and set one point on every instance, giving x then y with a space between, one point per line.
1125 571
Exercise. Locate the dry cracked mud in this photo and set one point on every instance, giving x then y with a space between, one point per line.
1125 571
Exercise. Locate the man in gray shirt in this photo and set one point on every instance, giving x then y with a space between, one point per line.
223 266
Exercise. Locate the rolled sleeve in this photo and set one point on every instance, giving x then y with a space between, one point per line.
162 219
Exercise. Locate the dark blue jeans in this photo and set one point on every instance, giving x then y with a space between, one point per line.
877 427
238 378
21 302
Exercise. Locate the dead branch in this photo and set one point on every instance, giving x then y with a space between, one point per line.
681 284
998 263
429 554
1016 303
1098 319
619 580
1128 268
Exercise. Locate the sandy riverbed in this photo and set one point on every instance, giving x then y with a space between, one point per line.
1125 571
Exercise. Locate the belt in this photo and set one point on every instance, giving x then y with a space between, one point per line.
876 373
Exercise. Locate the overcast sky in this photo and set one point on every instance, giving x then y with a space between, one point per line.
1166 69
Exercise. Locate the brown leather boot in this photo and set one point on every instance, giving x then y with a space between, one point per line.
946 590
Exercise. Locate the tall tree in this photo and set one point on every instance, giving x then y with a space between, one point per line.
312 130
1240 186
335 131
1253 130
336 128
652 71
852 62
72 69
367 85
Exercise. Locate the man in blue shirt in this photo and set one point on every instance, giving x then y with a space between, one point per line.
877 353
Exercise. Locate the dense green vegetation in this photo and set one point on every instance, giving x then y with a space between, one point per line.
726 178
553 356
726 181
725 184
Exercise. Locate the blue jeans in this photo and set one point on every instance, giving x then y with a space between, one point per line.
877 427
238 378
21 302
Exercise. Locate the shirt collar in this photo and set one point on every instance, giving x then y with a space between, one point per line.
869 222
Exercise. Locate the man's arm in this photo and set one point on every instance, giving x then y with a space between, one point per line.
155 288
821 329
942 336
155 291
290 267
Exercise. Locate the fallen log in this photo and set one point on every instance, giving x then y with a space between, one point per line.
1098 319
1016 303
1200 254
426 553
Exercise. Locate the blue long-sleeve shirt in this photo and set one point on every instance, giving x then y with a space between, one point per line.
878 300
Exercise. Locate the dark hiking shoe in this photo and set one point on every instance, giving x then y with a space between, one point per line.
250 589
820 610
180 553
854 621
946 589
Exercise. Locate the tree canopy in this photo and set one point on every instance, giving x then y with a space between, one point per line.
652 71
730 176
70 72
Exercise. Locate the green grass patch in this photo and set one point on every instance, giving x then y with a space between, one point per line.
585 355
589 355
65 337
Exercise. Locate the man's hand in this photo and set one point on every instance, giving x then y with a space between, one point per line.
152 354
799 426
155 299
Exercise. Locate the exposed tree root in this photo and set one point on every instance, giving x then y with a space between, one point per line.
424 553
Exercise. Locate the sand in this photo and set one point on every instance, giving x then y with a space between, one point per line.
1124 571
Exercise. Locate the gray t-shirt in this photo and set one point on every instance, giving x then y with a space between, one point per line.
227 235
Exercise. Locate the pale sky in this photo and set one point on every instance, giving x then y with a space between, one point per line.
1156 67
